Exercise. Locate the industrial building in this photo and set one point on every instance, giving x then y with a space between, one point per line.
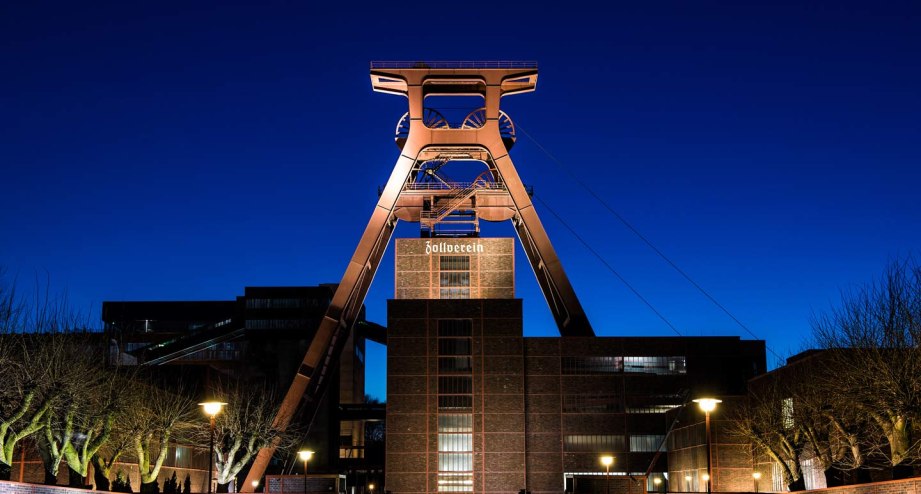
474 406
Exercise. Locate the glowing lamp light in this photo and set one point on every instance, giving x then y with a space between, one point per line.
607 460
212 408
705 477
756 475
255 483
707 404
688 478
657 481
305 454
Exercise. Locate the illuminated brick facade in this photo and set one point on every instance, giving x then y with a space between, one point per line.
475 407
455 268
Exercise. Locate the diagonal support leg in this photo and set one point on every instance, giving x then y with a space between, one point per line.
567 311
311 379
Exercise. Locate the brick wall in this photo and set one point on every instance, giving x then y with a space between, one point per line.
17 488
906 486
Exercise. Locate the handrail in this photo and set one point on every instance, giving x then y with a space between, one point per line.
437 186
499 64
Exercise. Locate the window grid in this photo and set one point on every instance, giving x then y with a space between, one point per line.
648 443
455 394
593 365
461 364
592 443
454 263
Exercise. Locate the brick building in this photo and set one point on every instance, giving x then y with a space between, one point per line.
474 406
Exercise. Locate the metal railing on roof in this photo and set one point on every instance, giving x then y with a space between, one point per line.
498 64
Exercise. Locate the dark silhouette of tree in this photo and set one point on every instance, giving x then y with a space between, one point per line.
873 339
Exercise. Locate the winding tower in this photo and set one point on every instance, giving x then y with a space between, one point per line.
419 190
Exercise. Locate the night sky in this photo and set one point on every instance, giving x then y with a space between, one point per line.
184 150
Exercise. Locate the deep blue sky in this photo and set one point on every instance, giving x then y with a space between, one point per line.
184 150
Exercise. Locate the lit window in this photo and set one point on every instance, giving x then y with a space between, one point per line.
646 443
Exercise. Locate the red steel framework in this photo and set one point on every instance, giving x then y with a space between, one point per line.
411 194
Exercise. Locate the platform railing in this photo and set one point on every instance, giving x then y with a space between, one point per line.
455 186
497 64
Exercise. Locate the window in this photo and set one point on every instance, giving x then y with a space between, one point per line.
455 327
592 365
454 263
450 279
454 364
277 303
455 394
276 324
453 385
453 346
456 402
646 443
655 365
612 365
659 403
588 443
592 403
459 422
454 293
455 482
454 279
455 442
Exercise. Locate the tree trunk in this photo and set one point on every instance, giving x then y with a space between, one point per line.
797 485
151 488
50 478
862 476
102 482
6 471
224 487
835 477
902 471
74 479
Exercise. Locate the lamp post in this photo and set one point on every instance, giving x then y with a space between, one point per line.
255 485
371 488
607 461
212 408
305 455
708 405
657 482
757 477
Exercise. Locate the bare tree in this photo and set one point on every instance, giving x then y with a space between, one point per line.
22 403
35 343
120 441
245 426
874 339
156 417
767 421
94 421
84 393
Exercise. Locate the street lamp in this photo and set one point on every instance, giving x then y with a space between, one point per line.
371 488
255 484
657 481
212 408
708 405
305 455
757 477
687 480
607 461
